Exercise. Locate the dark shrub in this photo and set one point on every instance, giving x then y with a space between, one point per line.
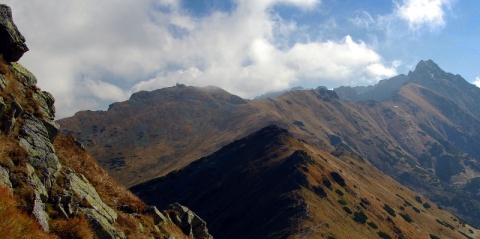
347 210
372 225
338 179
406 217
389 210
384 235
418 199
360 217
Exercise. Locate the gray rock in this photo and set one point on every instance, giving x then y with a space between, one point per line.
5 178
34 138
102 228
39 212
86 192
3 106
35 182
12 43
158 217
190 223
66 205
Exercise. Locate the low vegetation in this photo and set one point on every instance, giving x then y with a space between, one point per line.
360 217
384 235
372 225
389 210
406 217
14 223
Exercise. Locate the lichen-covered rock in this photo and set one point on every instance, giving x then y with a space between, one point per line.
34 138
66 205
190 223
36 184
158 217
102 228
4 178
39 212
12 42
3 106
86 192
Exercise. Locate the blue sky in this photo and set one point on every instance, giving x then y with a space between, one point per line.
90 53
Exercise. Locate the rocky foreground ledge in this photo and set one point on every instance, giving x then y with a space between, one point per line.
63 189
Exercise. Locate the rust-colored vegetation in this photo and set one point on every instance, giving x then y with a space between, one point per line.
14 223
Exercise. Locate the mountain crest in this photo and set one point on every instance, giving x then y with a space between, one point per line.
427 66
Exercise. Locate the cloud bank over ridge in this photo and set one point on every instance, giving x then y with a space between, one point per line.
90 53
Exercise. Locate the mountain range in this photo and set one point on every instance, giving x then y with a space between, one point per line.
422 129
296 164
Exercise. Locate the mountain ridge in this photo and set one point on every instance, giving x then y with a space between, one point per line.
271 185
412 135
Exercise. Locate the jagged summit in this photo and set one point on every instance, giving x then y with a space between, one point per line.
426 74
428 66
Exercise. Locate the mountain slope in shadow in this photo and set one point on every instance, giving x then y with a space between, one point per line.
272 185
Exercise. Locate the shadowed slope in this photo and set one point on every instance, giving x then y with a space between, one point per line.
271 185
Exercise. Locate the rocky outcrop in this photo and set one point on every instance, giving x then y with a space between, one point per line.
12 43
51 183
27 117
190 223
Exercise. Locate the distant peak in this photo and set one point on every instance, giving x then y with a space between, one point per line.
427 66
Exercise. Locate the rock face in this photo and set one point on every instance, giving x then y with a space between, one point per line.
62 187
27 116
12 42
191 224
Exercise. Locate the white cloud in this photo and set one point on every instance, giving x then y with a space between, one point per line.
420 13
345 62
89 53
477 82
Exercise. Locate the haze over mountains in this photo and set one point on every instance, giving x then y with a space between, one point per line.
422 129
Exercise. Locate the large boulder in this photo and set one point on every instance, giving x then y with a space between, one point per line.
12 43
190 223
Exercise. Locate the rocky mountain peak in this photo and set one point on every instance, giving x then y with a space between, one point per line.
427 70
427 65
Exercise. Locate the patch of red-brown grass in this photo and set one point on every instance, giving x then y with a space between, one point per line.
14 223
13 89
111 192
75 228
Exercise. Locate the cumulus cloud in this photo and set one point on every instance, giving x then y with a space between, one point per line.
90 53
477 82
420 13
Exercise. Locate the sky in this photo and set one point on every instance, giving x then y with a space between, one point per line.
92 53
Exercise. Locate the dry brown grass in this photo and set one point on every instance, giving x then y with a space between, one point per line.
133 225
26 99
111 192
75 228
14 223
